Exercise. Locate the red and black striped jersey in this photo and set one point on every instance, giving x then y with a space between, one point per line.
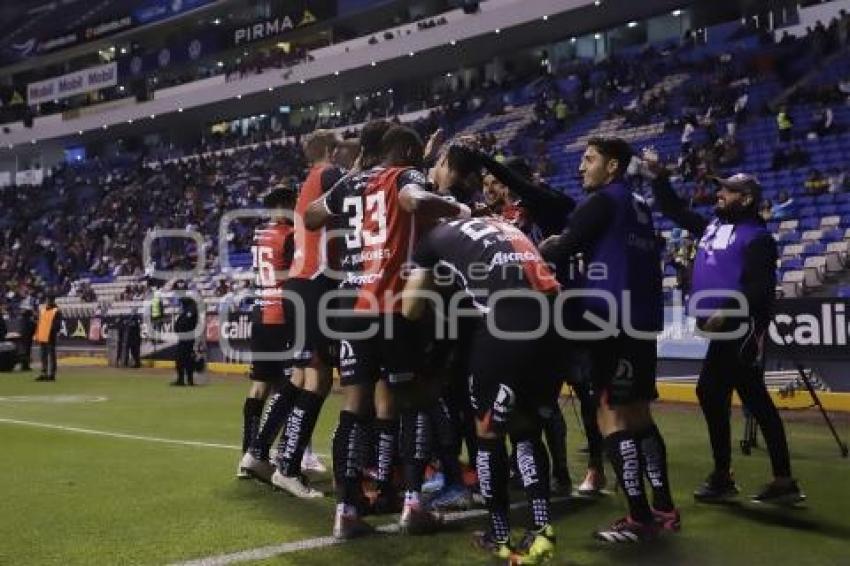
379 234
311 246
484 256
272 256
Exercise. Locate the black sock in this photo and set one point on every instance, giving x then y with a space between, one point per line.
274 417
415 442
492 465
624 453
386 438
447 442
555 429
252 410
299 430
589 406
654 453
348 454
533 464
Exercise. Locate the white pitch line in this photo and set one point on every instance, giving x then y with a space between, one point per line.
126 436
265 552
120 435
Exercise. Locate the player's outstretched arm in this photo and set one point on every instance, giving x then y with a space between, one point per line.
675 208
416 200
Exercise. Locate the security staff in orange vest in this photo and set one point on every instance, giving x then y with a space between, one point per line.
49 321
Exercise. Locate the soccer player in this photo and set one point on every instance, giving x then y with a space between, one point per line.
539 211
613 228
512 377
377 207
272 253
308 281
736 253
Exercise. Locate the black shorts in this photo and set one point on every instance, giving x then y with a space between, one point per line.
623 370
511 376
270 340
391 351
311 344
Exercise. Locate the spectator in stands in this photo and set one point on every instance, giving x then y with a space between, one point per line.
816 183
688 130
222 289
739 109
822 121
784 206
561 113
784 124
836 180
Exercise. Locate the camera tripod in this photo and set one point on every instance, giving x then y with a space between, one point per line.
750 439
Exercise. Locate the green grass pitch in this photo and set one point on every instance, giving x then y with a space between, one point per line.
72 498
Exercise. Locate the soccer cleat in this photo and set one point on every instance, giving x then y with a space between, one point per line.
593 484
418 521
296 486
536 547
668 520
311 463
348 526
435 483
242 473
499 549
256 468
717 488
451 498
780 494
627 531
562 485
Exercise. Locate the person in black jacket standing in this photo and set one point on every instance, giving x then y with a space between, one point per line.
184 326
27 330
733 287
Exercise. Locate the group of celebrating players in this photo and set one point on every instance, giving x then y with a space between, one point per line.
448 317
